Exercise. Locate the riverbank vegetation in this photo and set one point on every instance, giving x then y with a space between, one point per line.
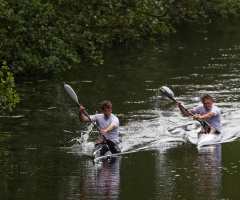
46 36
8 96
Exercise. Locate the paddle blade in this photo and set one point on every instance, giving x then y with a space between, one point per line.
168 92
206 126
113 147
71 93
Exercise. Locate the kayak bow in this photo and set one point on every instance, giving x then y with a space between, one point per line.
207 139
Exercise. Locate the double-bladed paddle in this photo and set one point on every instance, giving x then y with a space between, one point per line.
168 92
113 147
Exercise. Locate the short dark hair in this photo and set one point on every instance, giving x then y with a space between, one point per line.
106 104
207 96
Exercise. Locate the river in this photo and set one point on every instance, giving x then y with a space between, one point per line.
45 152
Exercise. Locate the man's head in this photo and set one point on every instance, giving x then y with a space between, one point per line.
207 101
106 108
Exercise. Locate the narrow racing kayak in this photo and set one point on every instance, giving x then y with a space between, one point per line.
101 150
105 150
208 139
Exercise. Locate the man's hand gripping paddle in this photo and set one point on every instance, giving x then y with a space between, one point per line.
165 90
111 144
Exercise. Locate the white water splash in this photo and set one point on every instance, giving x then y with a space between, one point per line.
161 131
149 134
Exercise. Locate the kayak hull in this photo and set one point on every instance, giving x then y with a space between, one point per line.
208 139
101 150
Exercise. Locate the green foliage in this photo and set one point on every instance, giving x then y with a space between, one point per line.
8 97
53 36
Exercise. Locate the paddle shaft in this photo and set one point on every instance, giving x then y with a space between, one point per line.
85 113
185 109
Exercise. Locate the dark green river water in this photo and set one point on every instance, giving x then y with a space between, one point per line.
45 152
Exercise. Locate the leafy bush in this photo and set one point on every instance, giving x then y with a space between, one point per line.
8 97
53 36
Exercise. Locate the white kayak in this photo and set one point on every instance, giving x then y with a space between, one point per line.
207 139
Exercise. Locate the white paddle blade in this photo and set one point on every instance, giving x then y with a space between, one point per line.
167 91
71 92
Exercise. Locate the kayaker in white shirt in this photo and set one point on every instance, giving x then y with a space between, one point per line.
207 111
108 123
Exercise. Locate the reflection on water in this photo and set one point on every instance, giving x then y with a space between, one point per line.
103 181
209 172
182 174
108 178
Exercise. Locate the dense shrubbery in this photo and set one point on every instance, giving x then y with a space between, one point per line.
52 36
